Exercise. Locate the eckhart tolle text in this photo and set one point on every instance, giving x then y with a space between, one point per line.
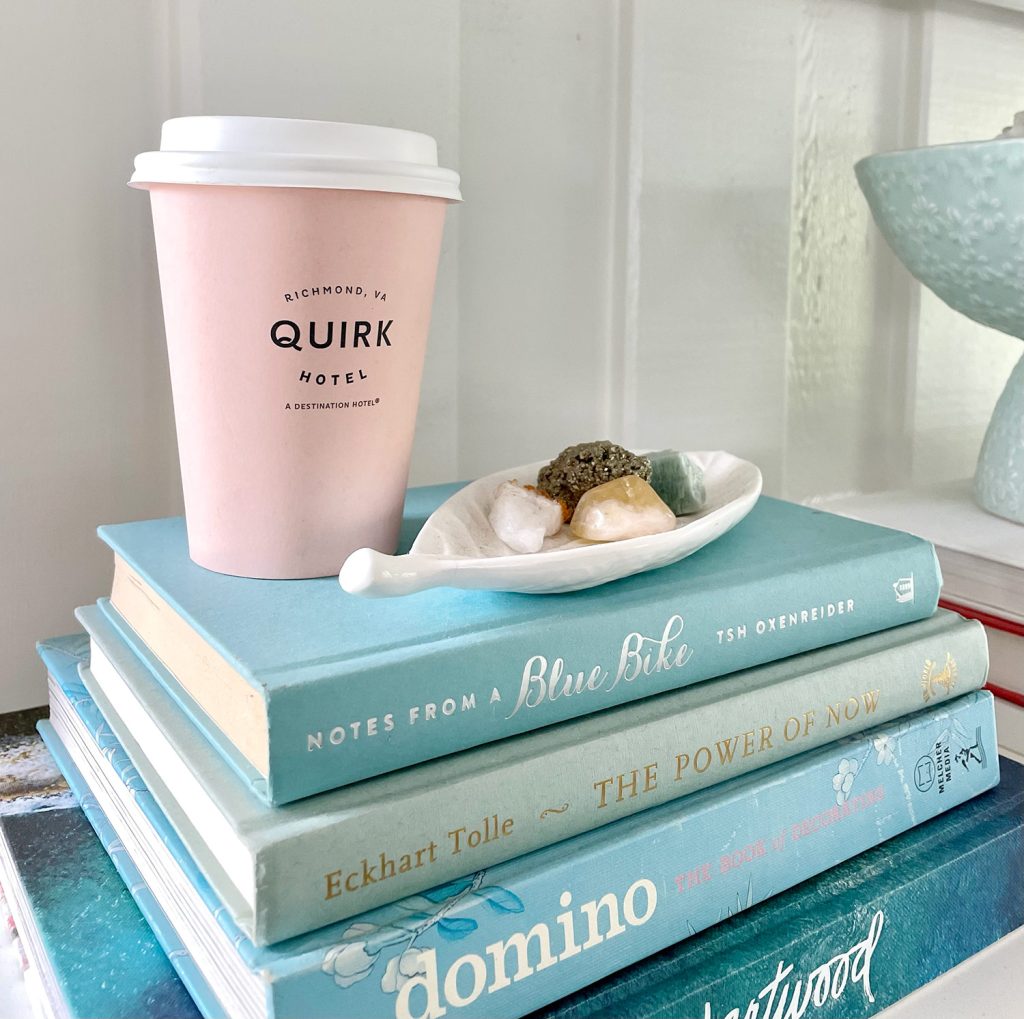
384 866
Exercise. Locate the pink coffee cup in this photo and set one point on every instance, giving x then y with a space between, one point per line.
297 263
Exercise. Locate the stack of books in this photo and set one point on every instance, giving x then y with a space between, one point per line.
482 804
982 559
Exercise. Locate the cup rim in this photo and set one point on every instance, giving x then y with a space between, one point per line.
285 152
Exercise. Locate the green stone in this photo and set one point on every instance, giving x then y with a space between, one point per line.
678 480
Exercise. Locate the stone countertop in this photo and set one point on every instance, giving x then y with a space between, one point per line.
21 723
20 775
28 774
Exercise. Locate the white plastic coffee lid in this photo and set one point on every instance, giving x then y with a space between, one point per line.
276 152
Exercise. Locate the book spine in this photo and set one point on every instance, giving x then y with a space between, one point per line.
507 941
1010 722
1005 651
400 709
1010 696
992 621
673 746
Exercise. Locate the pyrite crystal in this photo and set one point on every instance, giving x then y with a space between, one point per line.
582 467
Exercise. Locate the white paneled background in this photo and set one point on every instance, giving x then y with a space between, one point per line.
662 240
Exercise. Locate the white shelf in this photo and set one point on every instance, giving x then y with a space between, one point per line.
989 985
944 514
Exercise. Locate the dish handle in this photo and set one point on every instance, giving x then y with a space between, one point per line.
373 574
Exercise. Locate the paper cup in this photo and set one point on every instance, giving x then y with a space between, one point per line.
297 263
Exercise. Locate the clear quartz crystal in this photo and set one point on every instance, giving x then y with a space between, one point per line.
624 508
523 517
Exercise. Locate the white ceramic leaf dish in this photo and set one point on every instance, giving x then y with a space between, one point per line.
458 548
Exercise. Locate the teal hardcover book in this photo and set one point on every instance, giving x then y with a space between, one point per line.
304 688
82 935
508 939
286 870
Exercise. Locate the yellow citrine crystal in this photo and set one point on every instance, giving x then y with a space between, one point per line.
623 508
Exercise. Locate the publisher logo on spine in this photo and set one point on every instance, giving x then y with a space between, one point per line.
904 588
936 679
952 754
924 774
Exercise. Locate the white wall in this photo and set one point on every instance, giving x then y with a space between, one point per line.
662 241
86 432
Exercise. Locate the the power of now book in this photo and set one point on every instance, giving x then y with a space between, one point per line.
284 871
304 688
505 940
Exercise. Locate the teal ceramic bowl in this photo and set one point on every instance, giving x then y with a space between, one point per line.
954 215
